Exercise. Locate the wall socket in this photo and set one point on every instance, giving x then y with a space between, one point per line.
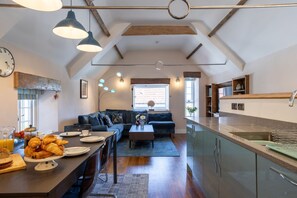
234 106
240 106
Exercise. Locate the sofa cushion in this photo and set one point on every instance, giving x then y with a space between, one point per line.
83 119
94 121
135 113
107 121
117 118
118 128
160 117
162 124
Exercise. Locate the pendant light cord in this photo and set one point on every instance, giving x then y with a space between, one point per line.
71 4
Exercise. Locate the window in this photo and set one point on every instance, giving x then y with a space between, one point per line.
159 93
191 94
27 107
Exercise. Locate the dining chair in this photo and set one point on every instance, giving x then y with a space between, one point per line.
104 158
85 184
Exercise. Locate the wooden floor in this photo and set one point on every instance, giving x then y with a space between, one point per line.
168 176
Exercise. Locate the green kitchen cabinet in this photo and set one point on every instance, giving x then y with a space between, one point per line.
275 181
229 170
190 144
210 166
237 170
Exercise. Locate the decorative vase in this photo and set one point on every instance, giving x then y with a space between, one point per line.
142 124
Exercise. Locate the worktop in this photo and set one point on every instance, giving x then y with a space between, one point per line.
222 126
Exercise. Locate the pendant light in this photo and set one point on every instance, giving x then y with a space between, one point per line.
89 44
70 27
41 5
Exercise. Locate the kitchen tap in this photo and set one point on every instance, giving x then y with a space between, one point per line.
292 98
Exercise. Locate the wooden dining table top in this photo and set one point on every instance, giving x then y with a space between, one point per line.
51 183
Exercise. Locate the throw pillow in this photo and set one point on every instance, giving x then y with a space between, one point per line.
94 120
117 118
107 120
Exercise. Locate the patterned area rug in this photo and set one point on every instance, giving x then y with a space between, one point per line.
128 186
163 147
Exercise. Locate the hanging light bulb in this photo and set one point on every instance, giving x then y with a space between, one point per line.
89 44
41 5
70 27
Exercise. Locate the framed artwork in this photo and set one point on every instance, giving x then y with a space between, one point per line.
83 89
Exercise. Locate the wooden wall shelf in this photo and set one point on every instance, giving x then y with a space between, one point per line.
285 95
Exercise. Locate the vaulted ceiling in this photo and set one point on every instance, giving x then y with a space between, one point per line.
246 36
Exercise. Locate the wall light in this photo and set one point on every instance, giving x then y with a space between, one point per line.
41 5
121 79
177 80
70 27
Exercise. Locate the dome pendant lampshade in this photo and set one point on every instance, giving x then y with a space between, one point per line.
41 5
89 44
70 28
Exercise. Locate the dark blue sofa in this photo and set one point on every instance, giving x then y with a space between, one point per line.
162 122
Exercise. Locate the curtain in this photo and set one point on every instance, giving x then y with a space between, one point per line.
29 94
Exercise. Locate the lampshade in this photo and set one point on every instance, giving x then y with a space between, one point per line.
101 80
41 5
105 88
112 91
89 44
70 28
100 84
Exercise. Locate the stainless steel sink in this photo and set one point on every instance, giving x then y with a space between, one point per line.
264 136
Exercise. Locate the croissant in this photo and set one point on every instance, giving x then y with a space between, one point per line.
34 142
41 154
61 142
49 139
53 148
29 151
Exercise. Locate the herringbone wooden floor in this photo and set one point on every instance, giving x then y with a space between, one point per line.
168 176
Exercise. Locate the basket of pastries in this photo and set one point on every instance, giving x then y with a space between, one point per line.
49 145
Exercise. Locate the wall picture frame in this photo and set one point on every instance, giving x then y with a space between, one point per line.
83 89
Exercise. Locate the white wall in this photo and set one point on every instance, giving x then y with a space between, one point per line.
122 99
274 73
53 114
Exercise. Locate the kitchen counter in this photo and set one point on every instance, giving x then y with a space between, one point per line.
236 123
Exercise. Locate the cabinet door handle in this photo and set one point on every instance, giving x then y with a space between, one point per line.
285 177
215 156
219 158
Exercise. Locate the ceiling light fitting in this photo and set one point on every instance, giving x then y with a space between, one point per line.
179 5
41 5
177 79
89 44
70 27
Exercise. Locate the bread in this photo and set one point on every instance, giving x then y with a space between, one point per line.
34 142
49 139
53 148
61 142
5 159
41 154
29 151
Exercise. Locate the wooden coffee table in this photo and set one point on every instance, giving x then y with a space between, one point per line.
136 133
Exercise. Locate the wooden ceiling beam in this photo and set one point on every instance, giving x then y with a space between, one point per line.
144 30
226 18
101 24
194 51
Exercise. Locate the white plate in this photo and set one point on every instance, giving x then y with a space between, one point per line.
82 135
92 139
70 134
74 151
54 157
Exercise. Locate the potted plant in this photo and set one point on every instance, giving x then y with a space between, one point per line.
191 110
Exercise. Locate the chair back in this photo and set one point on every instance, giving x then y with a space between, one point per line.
106 151
90 175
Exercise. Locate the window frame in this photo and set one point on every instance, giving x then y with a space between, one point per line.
194 95
167 96
33 113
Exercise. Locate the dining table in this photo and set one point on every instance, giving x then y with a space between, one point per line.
55 182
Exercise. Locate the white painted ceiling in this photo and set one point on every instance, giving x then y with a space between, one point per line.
250 34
